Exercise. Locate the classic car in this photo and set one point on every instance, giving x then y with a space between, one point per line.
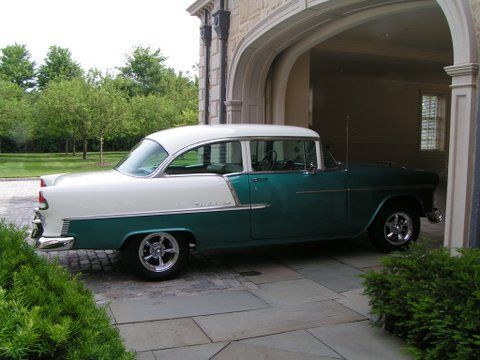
212 186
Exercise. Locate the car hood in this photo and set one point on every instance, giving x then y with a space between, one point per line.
107 176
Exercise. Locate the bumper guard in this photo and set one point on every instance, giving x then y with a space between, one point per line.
54 244
48 243
435 216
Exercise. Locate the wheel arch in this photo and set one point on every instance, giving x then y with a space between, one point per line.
184 233
413 200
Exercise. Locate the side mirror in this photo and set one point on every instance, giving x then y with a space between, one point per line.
311 168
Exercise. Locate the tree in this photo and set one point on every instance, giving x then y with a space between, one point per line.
183 93
146 70
58 65
65 110
151 113
108 108
16 66
15 112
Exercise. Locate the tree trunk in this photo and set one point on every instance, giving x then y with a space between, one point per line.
66 146
74 147
0 145
101 150
85 145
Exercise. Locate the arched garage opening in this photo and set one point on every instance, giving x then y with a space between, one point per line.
381 87
262 65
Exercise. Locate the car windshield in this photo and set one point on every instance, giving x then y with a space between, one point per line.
143 160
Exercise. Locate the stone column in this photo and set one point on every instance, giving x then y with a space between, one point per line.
234 111
461 161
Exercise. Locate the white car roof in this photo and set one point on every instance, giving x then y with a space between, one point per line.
176 139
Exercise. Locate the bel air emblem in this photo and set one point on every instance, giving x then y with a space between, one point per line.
212 204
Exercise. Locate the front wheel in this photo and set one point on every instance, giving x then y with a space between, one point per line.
157 256
395 227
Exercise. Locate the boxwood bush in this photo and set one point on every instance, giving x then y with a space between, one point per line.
46 314
430 299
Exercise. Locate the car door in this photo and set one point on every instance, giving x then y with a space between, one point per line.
300 203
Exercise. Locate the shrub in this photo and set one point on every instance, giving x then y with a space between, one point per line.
46 314
430 299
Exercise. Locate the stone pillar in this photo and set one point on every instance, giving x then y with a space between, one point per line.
234 111
461 161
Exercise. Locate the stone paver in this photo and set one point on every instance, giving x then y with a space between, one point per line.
294 292
358 258
197 352
360 341
146 355
170 307
242 351
162 334
243 325
17 201
299 341
265 271
334 275
355 300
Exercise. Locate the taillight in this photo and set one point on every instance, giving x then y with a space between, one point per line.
43 204
42 183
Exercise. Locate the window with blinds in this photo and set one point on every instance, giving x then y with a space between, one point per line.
430 133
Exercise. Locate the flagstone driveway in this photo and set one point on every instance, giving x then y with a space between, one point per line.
281 302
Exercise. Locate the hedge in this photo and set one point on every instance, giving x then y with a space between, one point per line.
430 299
45 313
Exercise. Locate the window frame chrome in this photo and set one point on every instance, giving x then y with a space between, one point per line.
246 159
153 173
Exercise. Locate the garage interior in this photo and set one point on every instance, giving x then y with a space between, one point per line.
381 87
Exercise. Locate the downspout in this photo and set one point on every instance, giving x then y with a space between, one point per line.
206 35
222 26
474 241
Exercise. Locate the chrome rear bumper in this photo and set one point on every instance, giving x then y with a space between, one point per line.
55 244
435 216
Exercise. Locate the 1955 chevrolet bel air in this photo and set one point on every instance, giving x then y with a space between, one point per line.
212 186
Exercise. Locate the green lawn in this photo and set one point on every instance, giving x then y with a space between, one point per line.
26 165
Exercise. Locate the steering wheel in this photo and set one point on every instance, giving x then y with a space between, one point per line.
268 161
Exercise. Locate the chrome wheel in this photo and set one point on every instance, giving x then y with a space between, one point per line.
158 252
398 228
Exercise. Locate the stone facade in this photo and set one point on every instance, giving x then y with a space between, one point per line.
244 16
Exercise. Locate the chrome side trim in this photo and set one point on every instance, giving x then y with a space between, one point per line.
54 244
259 206
174 212
320 191
380 188
232 190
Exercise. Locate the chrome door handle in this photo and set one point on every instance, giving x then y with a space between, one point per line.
259 179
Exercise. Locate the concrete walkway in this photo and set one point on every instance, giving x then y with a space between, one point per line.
282 302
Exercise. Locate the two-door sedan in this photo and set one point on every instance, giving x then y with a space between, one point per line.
212 186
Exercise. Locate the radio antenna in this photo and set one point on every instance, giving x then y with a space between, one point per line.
348 143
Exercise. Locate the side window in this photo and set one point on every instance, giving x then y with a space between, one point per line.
282 155
219 158
328 160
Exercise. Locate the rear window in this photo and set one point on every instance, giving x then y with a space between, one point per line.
143 160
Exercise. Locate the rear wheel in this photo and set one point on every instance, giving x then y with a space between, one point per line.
157 256
396 226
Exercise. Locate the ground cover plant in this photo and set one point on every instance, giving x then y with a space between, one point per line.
431 299
44 313
26 165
